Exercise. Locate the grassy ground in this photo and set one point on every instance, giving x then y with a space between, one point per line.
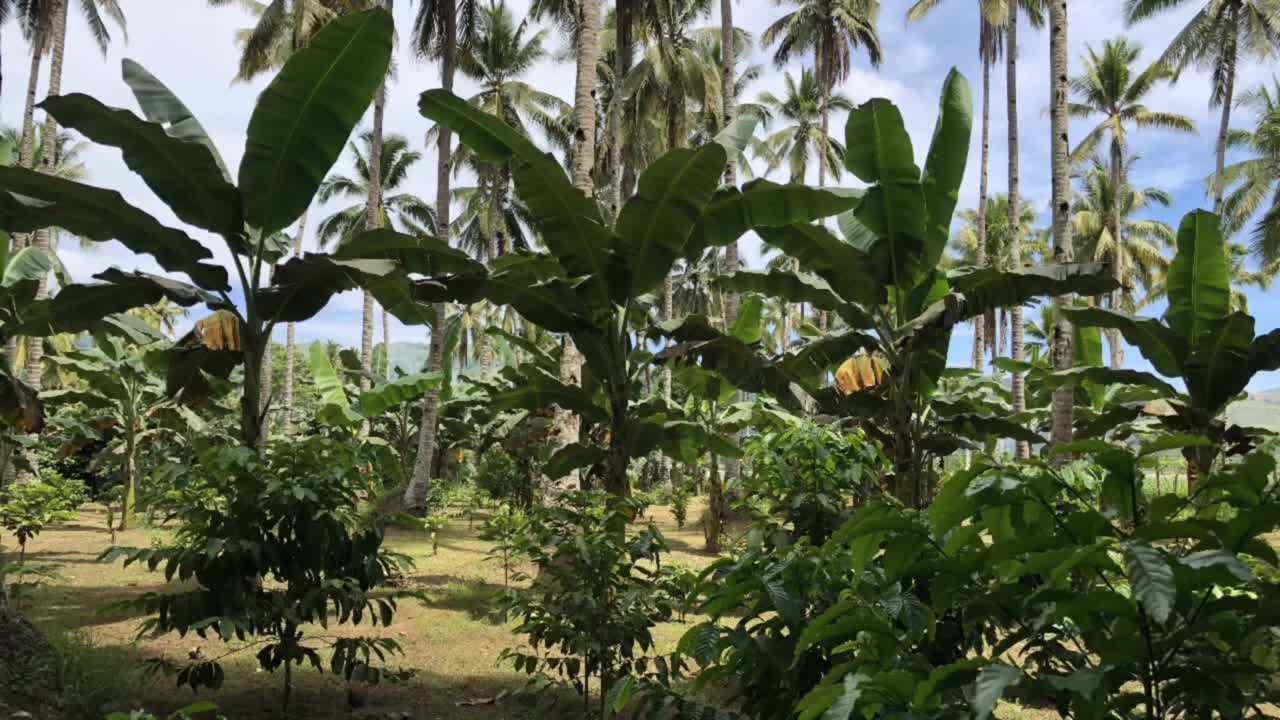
449 640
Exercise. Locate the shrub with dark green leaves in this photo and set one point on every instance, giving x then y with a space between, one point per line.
508 531
680 504
503 478
590 612
285 550
26 509
809 476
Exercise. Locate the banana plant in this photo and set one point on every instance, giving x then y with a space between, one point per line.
883 282
595 282
389 401
1200 341
123 384
298 128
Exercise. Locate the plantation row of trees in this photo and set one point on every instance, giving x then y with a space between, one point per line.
881 574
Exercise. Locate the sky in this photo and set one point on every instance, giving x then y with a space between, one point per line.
191 47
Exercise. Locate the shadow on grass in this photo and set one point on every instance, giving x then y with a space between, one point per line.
83 607
473 596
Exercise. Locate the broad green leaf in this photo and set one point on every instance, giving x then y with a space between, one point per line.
990 687
1173 441
335 408
944 167
1087 346
419 255
1199 280
735 138
1109 376
655 223
569 222
303 286
20 404
394 393
846 269
978 290
160 105
304 117
1265 354
981 427
763 204
539 389
1161 346
843 707
1151 579
728 356
77 308
29 263
895 215
1218 368
812 361
31 200
572 457
182 174
796 288
877 146
748 327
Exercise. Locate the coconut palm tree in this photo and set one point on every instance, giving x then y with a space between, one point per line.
674 73
401 210
992 15
1110 87
1254 182
1063 412
502 52
832 30
57 41
1143 241
802 109
281 28
437 34
1218 37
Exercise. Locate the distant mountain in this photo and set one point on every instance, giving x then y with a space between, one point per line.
1261 409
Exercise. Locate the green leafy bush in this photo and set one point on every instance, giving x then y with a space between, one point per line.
808 476
284 550
680 504
502 478
590 612
508 531
26 509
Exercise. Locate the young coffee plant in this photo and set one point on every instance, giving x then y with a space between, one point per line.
282 553
27 509
589 614
508 531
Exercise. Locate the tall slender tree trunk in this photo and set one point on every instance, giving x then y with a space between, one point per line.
44 238
824 86
26 159
584 141
415 495
1023 449
1117 254
373 219
624 20
386 344
266 378
729 96
1228 96
1063 413
980 325
291 340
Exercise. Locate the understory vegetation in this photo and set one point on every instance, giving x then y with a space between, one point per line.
637 475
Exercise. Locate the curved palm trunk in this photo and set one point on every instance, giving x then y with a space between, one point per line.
824 87
1015 226
729 96
415 495
584 118
386 344
981 340
291 340
1117 240
26 159
1224 126
1063 414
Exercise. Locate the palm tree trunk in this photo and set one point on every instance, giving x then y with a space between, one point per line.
621 66
1063 414
386 344
1228 93
373 219
584 138
729 97
1023 449
825 87
1002 337
980 325
415 495
26 159
43 238
1117 240
291 340
265 381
